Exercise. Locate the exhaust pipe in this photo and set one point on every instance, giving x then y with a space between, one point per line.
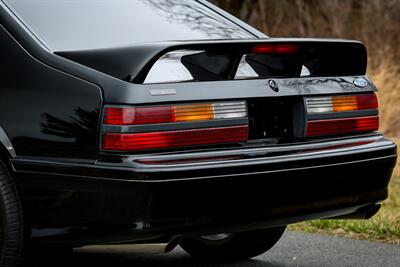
365 212
156 248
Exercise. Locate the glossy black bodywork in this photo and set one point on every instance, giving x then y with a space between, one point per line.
265 187
323 57
50 113
58 112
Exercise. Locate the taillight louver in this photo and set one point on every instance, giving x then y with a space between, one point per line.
174 113
342 126
174 126
341 103
174 139
334 115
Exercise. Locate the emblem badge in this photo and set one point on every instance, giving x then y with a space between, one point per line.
360 82
273 85
163 92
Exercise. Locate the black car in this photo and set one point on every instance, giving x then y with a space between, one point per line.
172 122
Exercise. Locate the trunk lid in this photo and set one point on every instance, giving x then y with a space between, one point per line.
284 74
219 60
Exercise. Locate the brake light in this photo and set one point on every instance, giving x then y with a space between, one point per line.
275 49
173 139
172 126
126 116
341 114
342 126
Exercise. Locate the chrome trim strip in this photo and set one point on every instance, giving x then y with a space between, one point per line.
7 143
262 160
259 150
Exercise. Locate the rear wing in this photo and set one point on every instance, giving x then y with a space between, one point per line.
222 59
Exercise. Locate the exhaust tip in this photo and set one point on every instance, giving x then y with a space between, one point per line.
150 248
175 241
365 212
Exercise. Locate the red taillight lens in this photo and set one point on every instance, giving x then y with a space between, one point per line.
171 139
275 49
187 160
132 116
369 101
342 126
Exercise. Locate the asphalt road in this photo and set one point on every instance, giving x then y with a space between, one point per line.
294 249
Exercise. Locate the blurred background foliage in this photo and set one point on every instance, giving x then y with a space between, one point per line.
377 24
374 22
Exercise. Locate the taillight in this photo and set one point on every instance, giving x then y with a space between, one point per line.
342 126
173 139
334 115
341 103
130 116
177 113
275 49
174 126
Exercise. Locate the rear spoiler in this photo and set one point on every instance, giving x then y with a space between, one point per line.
268 57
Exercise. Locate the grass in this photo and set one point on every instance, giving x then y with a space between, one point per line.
387 80
383 227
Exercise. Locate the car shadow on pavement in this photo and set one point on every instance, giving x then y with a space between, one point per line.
175 259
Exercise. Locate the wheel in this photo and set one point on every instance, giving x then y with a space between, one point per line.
232 247
12 231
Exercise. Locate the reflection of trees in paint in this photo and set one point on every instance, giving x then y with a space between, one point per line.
196 17
82 126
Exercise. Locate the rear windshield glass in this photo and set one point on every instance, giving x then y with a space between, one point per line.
87 24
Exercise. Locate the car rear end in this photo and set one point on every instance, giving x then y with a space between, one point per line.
230 153
208 136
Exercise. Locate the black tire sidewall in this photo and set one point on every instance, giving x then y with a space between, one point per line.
239 246
13 243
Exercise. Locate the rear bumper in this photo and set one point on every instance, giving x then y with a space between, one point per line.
209 192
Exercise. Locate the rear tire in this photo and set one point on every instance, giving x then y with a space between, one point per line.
233 247
12 229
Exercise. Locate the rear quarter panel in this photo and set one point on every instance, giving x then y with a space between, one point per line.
45 112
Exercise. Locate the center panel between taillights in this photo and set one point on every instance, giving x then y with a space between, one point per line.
280 118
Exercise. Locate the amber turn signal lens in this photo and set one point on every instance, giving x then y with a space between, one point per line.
194 112
344 103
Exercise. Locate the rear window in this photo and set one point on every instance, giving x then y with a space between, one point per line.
65 25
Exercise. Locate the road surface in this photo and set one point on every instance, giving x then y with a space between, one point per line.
294 249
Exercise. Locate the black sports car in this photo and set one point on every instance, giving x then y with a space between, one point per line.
172 122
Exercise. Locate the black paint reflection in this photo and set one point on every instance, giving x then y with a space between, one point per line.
73 136
197 18
82 126
308 85
89 25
